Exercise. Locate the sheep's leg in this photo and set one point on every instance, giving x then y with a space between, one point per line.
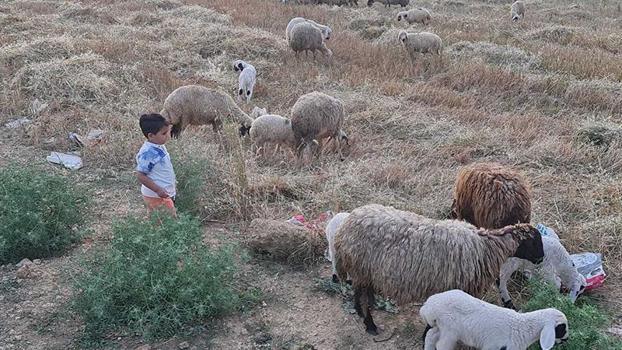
370 326
446 342
357 301
502 283
276 149
338 140
430 337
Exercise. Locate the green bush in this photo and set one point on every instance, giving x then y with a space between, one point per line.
586 322
155 278
39 213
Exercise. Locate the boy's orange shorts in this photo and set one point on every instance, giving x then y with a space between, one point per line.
153 202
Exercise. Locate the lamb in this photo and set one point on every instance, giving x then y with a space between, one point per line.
410 257
271 128
422 42
331 229
388 3
517 11
417 15
326 31
247 79
305 36
198 105
316 116
491 196
454 316
557 268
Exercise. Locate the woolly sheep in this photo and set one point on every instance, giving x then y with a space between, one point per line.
557 268
491 196
316 116
305 36
517 11
422 42
326 31
198 105
331 229
388 3
271 128
455 316
417 15
410 257
247 79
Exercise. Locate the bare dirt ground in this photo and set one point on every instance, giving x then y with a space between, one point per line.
543 95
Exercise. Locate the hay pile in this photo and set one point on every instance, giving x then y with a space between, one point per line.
285 242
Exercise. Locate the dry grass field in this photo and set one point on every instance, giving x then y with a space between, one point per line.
543 94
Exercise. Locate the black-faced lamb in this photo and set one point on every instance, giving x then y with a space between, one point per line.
388 3
326 31
557 268
416 15
409 257
517 11
316 116
198 105
423 42
307 37
455 316
246 80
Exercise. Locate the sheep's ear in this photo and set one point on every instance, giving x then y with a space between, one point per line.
547 336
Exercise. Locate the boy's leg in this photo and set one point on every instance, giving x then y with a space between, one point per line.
153 203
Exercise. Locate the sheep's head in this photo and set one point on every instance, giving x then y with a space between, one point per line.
326 32
400 15
402 37
238 65
244 130
258 112
515 18
555 330
370 2
579 285
176 130
529 242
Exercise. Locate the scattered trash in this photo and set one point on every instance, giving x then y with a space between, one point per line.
316 224
546 231
590 265
14 124
67 160
94 137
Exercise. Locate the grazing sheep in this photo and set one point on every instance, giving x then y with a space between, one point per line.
331 229
316 116
247 79
418 15
198 105
557 268
326 31
409 257
490 195
271 128
305 36
422 42
517 11
388 3
455 316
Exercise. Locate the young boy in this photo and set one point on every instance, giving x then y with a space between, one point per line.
154 169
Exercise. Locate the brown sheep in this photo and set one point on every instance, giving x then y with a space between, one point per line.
491 196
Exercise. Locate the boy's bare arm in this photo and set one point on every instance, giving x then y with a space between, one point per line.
145 180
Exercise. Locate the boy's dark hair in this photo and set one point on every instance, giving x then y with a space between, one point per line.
152 123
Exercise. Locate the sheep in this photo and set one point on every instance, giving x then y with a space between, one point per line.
455 316
198 105
305 36
417 15
410 257
388 3
271 128
557 268
316 116
491 196
422 42
326 31
331 229
517 11
247 79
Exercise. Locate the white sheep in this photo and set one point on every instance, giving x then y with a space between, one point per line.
455 316
557 268
517 11
307 37
247 79
330 230
271 128
326 31
416 15
422 42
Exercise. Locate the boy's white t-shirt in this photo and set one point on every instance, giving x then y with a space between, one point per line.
154 161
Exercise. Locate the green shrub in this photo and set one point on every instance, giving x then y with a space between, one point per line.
155 278
586 322
39 213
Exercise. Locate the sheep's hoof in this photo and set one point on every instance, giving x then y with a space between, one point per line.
372 329
335 279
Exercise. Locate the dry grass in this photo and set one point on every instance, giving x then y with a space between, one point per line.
518 93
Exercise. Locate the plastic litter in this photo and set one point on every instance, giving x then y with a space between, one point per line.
92 138
69 161
14 124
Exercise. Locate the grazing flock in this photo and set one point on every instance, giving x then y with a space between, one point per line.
448 263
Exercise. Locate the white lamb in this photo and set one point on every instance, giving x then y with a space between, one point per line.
557 268
331 229
455 316
247 79
270 128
